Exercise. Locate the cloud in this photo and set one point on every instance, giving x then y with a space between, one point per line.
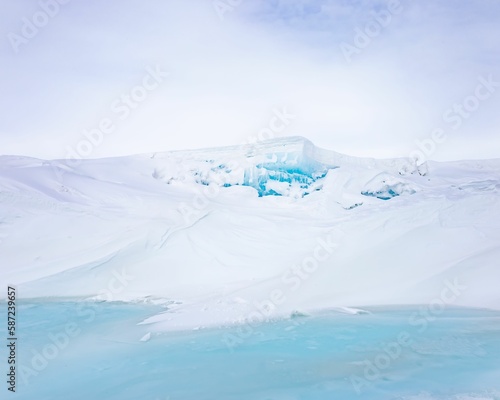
226 76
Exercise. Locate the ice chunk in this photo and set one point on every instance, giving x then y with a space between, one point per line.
385 187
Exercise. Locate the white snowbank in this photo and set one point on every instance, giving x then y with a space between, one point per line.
225 235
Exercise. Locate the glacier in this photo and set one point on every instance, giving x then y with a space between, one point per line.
220 229
192 265
281 169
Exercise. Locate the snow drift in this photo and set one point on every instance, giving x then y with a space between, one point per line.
275 228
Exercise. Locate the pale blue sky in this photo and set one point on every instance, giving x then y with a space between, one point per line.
227 75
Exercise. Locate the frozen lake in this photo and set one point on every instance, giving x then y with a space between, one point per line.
79 351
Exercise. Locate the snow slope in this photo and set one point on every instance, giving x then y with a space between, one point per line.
276 228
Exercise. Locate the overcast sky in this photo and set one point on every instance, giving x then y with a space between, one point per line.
362 77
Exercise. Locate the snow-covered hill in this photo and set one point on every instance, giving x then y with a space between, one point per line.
271 229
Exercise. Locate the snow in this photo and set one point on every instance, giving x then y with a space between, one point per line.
218 235
385 187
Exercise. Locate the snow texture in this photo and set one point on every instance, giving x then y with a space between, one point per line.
215 234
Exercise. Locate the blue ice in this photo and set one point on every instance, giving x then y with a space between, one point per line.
327 356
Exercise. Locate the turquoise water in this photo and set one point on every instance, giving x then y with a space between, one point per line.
74 351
